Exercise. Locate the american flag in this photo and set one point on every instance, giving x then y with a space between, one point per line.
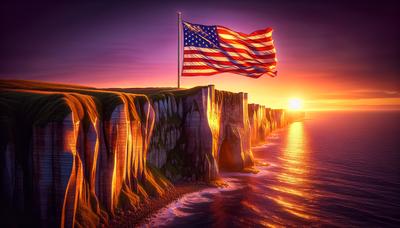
210 50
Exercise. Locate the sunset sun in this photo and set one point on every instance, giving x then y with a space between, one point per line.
295 104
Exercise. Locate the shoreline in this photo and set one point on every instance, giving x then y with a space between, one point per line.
147 209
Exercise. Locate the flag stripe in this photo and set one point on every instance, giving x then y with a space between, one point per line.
255 35
220 53
252 69
262 46
193 72
229 58
202 72
227 69
256 41
208 70
224 60
247 51
239 45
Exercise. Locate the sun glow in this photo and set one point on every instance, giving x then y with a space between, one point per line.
295 104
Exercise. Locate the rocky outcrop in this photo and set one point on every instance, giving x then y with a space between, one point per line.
260 124
264 120
73 156
198 131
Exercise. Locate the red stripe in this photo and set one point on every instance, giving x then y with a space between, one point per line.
261 40
265 48
261 31
221 69
220 54
224 70
199 74
251 40
214 73
241 51
228 63
258 32
227 71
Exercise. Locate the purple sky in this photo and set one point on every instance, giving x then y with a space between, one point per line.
347 46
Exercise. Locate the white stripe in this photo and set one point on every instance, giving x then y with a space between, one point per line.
216 70
211 65
255 44
259 36
231 53
225 67
213 71
250 61
210 50
199 71
221 66
241 46
265 35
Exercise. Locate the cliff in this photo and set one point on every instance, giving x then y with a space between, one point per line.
73 155
264 120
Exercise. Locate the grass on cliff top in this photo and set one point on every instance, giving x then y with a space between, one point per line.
36 108
152 92
34 85
105 99
155 92
26 92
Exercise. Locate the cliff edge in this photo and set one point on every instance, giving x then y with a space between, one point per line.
74 155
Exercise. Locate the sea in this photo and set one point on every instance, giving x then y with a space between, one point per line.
333 169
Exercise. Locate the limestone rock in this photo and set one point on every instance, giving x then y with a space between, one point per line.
73 156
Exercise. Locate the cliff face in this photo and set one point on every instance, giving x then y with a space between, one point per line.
260 123
182 143
264 120
72 156
197 132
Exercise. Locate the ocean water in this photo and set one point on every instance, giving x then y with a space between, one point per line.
339 169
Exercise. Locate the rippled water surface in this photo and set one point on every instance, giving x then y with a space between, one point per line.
332 169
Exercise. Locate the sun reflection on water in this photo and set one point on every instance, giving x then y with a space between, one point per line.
293 185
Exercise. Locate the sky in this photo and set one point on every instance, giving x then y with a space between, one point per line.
334 55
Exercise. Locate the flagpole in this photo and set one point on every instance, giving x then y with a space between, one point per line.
179 47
